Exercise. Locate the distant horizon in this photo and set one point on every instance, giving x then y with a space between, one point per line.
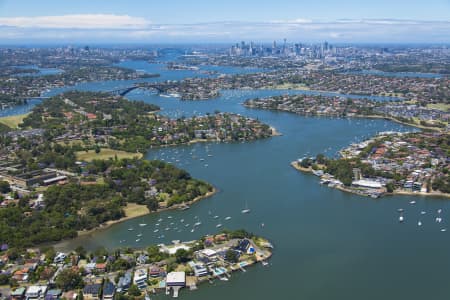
124 44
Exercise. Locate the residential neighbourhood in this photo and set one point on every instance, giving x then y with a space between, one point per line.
46 274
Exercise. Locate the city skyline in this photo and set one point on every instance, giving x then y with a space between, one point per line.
180 22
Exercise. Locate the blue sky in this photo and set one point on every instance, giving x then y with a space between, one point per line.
224 21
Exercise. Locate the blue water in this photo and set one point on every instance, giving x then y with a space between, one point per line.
328 244
42 71
166 74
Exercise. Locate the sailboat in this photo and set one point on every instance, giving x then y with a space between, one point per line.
246 210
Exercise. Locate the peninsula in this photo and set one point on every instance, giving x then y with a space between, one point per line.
390 163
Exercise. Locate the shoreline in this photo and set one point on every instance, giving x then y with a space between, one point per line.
145 212
357 116
309 170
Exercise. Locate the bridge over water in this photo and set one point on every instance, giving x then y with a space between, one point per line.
160 87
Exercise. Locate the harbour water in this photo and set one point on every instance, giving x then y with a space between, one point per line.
328 244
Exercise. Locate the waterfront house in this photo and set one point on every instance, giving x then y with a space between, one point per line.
200 269
175 281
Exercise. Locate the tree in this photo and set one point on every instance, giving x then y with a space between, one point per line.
4 187
231 256
390 187
134 291
182 255
69 280
4 279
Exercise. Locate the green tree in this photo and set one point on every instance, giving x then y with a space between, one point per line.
4 187
134 291
231 256
69 279
182 255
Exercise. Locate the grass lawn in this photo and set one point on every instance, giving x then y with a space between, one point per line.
105 153
440 106
133 210
13 121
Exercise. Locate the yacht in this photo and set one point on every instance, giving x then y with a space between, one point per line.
419 223
219 225
142 224
401 219
227 218
156 230
216 217
198 223
443 229
130 229
246 210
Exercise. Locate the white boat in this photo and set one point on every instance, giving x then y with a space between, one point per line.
412 202
192 230
228 218
419 223
139 235
198 223
264 263
246 210
187 225
443 229
169 217
160 220
400 219
130 229
142 224
423 212
223 278
138 240
156 230
219 225
182 220
438 219
216 217
167 228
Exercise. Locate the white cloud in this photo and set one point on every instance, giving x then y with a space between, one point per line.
86 21
118 28
295 21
